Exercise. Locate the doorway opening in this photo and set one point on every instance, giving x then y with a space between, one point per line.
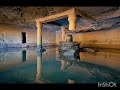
23 37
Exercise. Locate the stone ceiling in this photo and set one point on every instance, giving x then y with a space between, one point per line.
25 16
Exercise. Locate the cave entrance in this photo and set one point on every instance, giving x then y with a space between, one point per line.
23 37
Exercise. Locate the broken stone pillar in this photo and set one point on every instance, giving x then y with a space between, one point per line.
72 21
63 30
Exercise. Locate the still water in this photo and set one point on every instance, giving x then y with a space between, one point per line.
27 66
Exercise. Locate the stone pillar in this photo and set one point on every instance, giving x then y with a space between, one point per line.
72 21
39 66
63 32
39 35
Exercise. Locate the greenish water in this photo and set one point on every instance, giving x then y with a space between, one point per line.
27 66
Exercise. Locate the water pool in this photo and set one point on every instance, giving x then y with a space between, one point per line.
27 66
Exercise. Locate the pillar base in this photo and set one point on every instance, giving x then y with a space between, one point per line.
40 49
38 76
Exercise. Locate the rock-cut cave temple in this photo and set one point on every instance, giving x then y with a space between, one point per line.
92 26
33 43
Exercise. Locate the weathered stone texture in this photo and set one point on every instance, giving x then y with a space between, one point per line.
58 37
97 39
11 36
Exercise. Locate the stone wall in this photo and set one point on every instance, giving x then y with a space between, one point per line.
97 39
100 39
48 37
11 36
58 37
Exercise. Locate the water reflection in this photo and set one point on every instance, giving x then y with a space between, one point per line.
71 81
39 66
65 64
23 56
68 58
9 58
27 66
103 58
89 68
76 55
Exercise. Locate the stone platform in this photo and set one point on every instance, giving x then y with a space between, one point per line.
64 46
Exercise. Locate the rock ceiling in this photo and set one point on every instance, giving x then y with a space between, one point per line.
25 16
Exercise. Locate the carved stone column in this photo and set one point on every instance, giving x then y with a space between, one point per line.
39 35
72 21
63 32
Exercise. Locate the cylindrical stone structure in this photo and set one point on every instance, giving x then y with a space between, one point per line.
63 32
72 21
39 35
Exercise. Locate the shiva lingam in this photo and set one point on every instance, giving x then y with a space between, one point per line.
69 48
69 44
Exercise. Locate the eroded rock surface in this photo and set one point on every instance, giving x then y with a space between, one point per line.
25 16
